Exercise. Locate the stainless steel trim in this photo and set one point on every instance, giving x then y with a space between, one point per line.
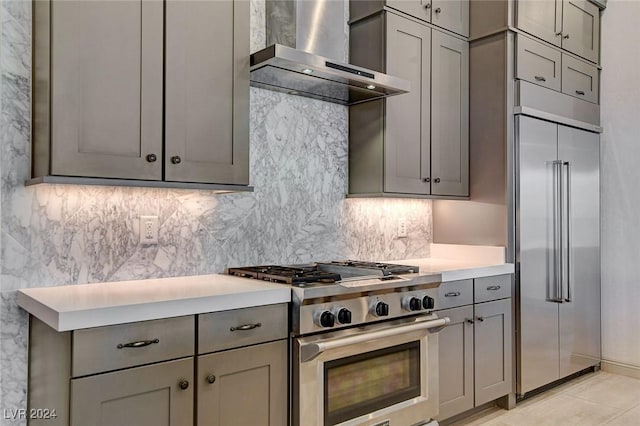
310 351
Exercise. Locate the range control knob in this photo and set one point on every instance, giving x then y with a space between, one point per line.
412 304
381 309
428 302
344 316
326 319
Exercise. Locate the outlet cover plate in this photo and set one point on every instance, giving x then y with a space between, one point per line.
148 230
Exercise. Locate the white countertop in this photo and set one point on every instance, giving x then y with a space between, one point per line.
75 307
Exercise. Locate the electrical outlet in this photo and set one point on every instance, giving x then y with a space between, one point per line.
149 230
402 227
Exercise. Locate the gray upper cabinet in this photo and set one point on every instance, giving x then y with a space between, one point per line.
415 144
542 18
154 395
105 88
450 115
452 15
573 25
162 99
581 29
407 131
207 91
538 63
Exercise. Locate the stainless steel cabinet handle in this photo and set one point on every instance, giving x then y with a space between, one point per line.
566 36
580 92
557 232
438 10
211 379
540 78
151 158
246 327
481 319
452 294
437 180
176 159
138 344
494 287
183 384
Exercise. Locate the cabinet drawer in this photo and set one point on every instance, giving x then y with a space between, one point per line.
537 63
455 293
119 346
579 79
241 327
492 288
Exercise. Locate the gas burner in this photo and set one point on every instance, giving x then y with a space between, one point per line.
295 275
374 267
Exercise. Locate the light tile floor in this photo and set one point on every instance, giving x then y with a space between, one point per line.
593 399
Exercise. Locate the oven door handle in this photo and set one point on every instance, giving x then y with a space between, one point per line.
311 350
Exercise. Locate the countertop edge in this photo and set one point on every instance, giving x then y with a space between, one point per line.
477 272
123 314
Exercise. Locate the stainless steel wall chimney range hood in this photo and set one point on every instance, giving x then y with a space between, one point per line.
307 55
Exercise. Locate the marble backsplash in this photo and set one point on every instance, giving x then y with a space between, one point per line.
55 235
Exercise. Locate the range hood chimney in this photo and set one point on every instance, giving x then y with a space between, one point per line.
307 55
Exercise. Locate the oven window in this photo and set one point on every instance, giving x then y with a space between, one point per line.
367 382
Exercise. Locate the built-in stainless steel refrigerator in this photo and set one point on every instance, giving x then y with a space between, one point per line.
557 238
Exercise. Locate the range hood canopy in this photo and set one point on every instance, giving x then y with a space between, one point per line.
307 55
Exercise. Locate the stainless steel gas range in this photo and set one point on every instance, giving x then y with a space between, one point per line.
364 347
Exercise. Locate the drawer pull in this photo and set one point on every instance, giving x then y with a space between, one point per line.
246 327
470 321
580 92
452 294
540 78
211 379
139 344
480 319
494 287
183 384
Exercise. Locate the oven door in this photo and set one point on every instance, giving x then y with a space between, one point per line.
384 374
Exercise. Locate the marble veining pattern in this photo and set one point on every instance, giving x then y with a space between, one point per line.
58 235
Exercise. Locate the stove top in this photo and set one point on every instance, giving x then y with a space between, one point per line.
321 273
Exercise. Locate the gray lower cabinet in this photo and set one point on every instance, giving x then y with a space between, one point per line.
415 144
150 101
246 386
455 343
573 25
154 395
475 349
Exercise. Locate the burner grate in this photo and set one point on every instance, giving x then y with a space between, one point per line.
299 275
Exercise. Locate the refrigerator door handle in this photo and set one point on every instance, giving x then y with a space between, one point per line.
558 296
567 203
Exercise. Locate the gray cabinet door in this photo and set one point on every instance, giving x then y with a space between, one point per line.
455 345
450 115
142 396
581 28
580 79
420 9
452 15
246 386
207 91
493 350
407 137
106 89
538 63
541 18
